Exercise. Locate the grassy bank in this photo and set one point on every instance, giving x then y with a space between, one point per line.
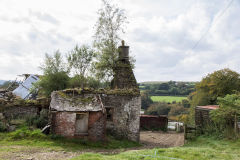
34 138
169 99
200 149
25 142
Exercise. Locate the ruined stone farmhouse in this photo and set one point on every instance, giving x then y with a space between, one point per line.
88 113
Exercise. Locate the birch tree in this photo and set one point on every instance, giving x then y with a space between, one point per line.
80 61
108 29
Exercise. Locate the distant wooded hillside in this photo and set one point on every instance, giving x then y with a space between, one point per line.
170 88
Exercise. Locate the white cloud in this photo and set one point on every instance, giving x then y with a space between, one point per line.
161 35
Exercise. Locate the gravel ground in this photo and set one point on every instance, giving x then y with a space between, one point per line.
161 139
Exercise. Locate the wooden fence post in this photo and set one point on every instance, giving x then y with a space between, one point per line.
185 132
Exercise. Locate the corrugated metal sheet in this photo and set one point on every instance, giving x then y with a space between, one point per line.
23 90
209 107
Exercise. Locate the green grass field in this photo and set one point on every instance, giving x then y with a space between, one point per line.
32 144
169 99
202 148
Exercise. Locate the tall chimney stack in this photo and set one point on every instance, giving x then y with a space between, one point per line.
123 77
123 51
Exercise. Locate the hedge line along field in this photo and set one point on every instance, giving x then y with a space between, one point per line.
169 99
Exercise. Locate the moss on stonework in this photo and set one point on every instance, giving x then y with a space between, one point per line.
75 92
75 96
121 92
4 104
124 76
123 65
84 100
62 94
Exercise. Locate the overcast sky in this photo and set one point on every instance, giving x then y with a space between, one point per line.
161 35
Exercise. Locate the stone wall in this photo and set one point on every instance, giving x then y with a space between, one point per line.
123 75
126 115
74 102
20 112
20 108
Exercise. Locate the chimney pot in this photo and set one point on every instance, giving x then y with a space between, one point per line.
123 51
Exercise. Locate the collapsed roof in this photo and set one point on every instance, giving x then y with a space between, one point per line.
23 90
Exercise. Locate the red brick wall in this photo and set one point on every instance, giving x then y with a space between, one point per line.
153 122
63 123
96 126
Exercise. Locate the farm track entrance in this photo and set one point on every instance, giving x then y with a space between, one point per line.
151 139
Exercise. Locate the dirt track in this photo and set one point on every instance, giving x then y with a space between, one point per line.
160 139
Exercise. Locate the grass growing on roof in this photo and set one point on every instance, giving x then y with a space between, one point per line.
169 99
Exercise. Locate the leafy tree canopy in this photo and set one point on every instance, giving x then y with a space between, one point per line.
229 107
226 117
55 75
214 85
109 27
80 61
160 108
146 100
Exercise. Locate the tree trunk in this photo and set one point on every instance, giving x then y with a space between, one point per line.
235 124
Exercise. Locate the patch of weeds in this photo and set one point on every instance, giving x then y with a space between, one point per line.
76 144
17 122
56 137
25 133
26 136
161 151
113 143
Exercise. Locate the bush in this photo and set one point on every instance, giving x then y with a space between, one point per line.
160 108
24 133
227 115
146 101
177 110
52 82
55 75
89 82
30 120
186 103
185 118
38 121
3 127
